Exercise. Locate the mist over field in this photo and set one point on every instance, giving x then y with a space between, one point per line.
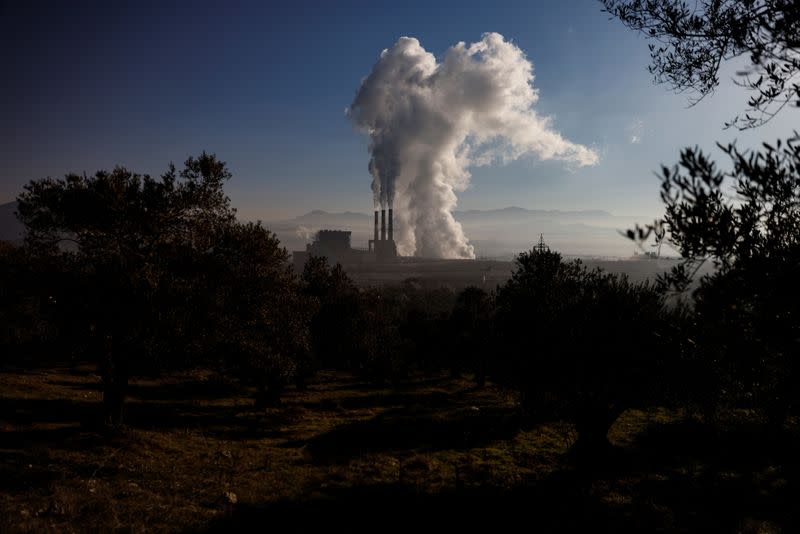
496 233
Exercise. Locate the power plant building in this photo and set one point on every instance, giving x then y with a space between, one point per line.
335 245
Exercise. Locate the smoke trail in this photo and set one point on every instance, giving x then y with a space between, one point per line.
304 232
429 122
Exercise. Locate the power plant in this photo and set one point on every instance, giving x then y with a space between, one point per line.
335 245
379 264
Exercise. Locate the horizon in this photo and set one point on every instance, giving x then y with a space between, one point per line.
488 209
274 113
584 233
368 213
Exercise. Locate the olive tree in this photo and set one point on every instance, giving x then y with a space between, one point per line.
692 40
167 275
579 344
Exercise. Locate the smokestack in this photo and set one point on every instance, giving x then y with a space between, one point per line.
383 225
376 225
391 225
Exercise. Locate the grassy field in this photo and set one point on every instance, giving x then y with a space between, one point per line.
433 453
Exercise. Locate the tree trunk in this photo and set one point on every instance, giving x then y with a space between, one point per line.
115 389
592 426
114 373
776 414
268 394
300 382
480 376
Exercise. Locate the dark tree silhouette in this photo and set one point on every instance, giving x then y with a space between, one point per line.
423 316
578 344
471 323
746 221
253 309
380 350
24 302
153 256
693 39
336 326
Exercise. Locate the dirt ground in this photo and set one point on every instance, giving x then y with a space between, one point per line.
433 453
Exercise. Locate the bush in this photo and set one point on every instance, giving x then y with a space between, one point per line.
471 329
745 221
578 344
155 273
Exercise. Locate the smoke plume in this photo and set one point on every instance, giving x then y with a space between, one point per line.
430 121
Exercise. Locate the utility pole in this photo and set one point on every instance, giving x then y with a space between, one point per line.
541 246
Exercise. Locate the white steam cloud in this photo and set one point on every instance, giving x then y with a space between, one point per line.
429 122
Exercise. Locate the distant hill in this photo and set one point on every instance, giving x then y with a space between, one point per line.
496 233
501 232
514 212
511 212
10 227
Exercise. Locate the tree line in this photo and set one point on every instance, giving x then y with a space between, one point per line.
142 275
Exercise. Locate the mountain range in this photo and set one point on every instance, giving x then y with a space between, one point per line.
496 233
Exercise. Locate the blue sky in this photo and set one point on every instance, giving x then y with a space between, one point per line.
264 85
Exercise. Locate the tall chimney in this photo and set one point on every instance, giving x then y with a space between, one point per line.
391 225
376 225
383 225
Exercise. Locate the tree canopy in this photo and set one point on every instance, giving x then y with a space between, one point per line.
163 276
579 344
746 220
692 40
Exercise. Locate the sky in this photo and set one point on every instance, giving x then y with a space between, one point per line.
265 85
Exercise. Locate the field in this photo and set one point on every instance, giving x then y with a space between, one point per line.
430 453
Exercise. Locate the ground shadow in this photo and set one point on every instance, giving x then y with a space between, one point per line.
364 384
34 419
740 474
423 429
662 498
176 391
381 400
560 503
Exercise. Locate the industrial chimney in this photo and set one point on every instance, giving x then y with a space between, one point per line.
391 225
383 225
376 226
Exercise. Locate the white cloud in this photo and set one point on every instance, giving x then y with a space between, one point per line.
430 121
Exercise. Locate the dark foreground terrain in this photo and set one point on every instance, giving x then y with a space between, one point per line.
433 453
